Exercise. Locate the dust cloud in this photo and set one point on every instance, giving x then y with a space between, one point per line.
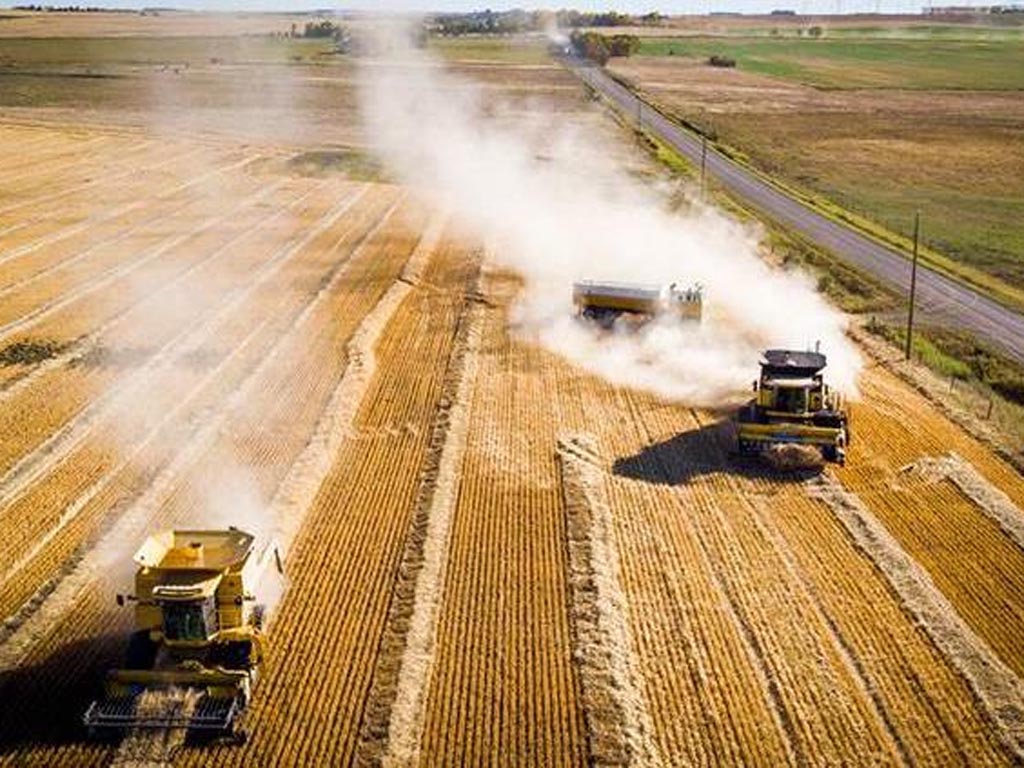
555 206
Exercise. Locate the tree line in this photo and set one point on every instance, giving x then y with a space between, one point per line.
517 21
598 48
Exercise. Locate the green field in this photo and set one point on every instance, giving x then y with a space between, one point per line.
921 64
878 127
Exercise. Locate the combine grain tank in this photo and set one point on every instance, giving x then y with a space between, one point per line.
198 627
606 302
794 405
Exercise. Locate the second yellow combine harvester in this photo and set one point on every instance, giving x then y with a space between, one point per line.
198 628
793 405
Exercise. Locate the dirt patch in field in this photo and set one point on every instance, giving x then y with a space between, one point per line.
30 352
351 163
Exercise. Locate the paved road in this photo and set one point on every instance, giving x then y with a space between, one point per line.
938 297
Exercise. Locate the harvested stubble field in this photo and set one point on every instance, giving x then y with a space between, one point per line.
493 557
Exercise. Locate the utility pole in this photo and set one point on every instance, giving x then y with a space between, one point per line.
703 162
913 285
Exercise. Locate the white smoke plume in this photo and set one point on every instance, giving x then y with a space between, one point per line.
556 208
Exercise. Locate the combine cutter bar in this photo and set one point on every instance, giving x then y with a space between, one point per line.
210 714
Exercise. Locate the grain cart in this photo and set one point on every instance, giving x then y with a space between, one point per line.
198 629
606 302
794 405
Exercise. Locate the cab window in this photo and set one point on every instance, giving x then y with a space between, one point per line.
187 621
791 399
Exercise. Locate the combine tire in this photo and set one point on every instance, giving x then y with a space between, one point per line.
141 653
834 454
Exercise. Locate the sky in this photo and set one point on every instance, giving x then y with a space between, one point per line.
629 6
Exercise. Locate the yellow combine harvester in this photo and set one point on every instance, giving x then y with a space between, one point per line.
794 405
606 302
198 627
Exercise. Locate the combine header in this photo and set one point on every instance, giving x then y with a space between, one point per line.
198 630
794 405
605 302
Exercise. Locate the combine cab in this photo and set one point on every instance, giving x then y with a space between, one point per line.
198 630
794 405
605 303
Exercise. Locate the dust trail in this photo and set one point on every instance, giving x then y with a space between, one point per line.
619 726
132 392
990 500
156 748
78 350
106 560
118 271
557 208
392 728
33 466
999 691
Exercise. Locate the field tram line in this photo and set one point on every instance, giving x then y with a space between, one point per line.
619 727
992 501
997 689
60 445
79 349
61 165
111 214
394 714
84 226
29 151
83 567
87 185
98 219
109 276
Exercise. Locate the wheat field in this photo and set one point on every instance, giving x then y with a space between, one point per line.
492 556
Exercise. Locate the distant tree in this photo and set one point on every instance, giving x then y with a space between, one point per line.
591 46
623 45
815 31
321 29
575 19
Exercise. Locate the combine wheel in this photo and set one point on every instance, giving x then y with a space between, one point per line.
834 454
